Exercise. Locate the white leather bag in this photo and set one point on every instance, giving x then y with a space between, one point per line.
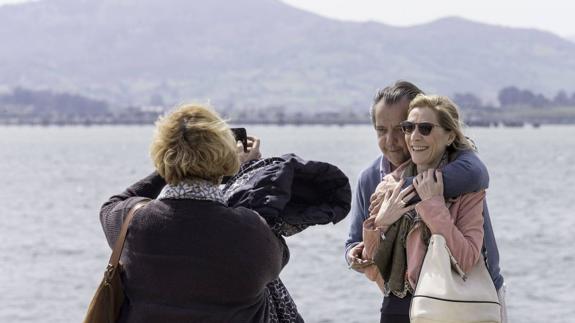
444 293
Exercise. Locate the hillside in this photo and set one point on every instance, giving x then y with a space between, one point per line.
262 52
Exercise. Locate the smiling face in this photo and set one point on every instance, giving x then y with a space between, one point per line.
389 136
426 151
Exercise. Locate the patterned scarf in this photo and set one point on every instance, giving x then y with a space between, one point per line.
193 189
391 257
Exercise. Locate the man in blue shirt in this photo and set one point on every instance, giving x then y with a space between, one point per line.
463 175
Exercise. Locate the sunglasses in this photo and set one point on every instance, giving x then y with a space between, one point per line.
424 128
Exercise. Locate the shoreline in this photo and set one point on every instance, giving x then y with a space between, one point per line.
38 122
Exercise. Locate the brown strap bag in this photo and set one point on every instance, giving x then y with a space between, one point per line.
107 301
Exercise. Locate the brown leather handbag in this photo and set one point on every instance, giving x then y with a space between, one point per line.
107 301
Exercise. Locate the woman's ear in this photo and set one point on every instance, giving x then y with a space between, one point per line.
451 138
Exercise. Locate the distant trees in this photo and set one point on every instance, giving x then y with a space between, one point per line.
26 106
47 102
467 100
512 96
562 99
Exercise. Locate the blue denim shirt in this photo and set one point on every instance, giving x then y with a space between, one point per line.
465 174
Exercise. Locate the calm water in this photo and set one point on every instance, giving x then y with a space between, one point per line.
53 251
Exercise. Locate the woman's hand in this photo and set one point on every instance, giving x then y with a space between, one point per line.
429 184
253 150
393 205
387 184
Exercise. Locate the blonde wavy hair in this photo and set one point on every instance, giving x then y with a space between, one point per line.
193 142
447 116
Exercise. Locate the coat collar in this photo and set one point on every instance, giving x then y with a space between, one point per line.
196 189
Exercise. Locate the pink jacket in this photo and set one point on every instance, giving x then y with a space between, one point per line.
461 225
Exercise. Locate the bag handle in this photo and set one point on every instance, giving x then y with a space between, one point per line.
456 265
119 245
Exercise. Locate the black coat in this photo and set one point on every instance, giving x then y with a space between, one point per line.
192 260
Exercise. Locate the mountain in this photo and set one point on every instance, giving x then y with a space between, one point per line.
262 52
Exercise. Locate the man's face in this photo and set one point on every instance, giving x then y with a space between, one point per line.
390 139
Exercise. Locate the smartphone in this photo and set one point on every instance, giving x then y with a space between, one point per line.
241 135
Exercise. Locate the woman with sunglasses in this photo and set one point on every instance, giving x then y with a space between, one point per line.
396 234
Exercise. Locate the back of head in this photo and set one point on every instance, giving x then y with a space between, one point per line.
192 142
447 116
401 90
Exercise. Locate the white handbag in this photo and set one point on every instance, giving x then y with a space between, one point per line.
444 293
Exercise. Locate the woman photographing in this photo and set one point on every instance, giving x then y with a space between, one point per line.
188 257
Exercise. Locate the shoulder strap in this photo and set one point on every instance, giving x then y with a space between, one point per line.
119 245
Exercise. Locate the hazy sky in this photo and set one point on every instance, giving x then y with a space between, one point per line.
551 15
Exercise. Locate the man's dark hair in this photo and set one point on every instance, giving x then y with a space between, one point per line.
394 94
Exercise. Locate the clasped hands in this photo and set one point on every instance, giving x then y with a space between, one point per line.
389 201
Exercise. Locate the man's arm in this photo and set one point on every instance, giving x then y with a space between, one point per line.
358 214
366 184
465 174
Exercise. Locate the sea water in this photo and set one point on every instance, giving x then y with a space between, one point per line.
54 180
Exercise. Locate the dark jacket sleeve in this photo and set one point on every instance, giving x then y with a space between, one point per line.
290 193
465 174
117 207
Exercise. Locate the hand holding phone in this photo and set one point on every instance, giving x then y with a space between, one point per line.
241 135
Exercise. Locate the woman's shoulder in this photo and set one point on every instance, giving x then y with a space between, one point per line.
253 230
208 213
247 216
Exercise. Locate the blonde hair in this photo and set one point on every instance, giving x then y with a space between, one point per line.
192 141
447 116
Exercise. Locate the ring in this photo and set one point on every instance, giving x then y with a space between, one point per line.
402 202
